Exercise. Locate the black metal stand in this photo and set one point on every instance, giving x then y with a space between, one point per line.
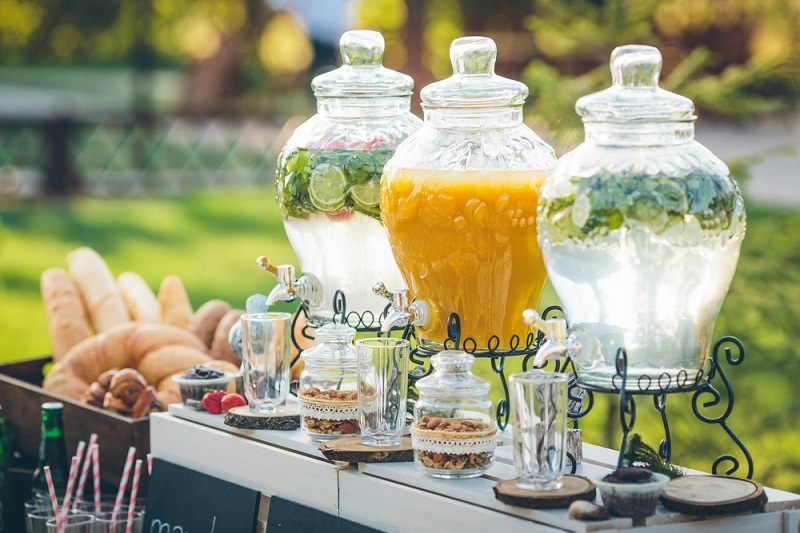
700 388
581 397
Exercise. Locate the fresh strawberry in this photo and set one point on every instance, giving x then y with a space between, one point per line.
212 401
229 401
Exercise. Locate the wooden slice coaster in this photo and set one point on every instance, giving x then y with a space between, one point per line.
351 450
241 418
713 495
574 488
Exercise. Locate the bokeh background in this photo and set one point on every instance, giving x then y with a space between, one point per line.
149 129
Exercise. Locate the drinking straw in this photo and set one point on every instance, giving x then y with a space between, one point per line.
96 476
52 490
149 464
134 491
126 472
85 469
73 473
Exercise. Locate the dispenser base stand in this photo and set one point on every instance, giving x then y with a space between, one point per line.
700 390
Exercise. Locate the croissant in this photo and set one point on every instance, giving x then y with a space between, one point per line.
157 351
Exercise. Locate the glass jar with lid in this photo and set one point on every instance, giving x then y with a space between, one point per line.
328 182
328 392
640 227
454 434
459 200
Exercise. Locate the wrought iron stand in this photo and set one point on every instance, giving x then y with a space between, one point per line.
704 394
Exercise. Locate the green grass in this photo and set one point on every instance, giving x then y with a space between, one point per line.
211 242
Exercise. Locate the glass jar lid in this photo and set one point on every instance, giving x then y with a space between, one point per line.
474 83
453 377
634 96
335 344
362 73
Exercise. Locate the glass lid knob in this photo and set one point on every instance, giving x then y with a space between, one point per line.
362 47
473 55
636 66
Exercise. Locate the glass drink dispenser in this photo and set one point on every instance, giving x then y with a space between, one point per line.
459 200
328 183
640 227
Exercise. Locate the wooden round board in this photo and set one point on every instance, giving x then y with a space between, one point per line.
351 450
241 418
713 495
574 488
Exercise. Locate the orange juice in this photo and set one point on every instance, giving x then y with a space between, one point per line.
465 242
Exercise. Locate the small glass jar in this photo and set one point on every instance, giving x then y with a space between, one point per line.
454 434
328 178
328 391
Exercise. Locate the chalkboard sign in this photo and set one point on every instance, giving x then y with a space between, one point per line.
292 517
180 500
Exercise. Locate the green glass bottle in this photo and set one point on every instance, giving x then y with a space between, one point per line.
52 452
6 496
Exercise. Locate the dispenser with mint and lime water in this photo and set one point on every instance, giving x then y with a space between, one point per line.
328 184
640 228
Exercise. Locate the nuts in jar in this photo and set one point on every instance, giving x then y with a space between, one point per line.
453 443
329 412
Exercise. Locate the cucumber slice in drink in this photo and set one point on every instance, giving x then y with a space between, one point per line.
327 187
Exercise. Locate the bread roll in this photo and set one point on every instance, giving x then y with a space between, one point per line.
66 315
98 289
176 309
125 346
206 318
138 297
220 349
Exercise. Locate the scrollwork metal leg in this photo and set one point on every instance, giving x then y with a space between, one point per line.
716 399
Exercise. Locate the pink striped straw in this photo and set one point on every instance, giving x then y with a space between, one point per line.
73 473
134 492
52 490
123 482
96 476
149 464
84 469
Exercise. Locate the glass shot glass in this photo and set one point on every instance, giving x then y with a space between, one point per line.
266 339
382 389
539 420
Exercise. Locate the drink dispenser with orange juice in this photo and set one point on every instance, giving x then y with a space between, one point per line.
459 200
328 184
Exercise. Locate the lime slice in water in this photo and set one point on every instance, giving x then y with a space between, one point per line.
367 194
327 187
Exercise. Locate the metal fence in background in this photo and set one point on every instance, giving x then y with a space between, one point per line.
117 157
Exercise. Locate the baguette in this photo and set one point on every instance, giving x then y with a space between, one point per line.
66 315
138 297
176 309
98 289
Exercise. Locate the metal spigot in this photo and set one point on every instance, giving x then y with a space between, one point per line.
558 343
417 313
307 287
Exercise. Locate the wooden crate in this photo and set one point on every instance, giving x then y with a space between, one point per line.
22 396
